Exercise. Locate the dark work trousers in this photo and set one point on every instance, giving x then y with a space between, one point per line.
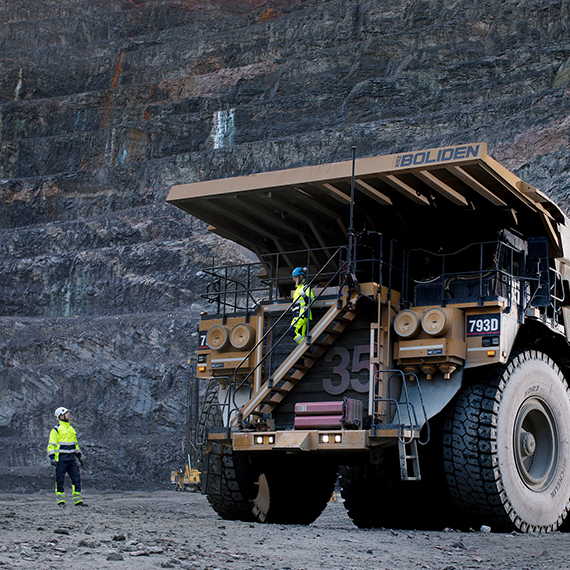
70 467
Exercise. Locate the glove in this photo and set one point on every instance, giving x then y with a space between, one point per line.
53 462
79 458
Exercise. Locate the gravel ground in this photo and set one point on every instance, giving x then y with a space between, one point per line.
168 529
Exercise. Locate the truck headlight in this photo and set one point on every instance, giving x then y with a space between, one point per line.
264 439
330 438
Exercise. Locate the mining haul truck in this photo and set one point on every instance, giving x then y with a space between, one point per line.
431 380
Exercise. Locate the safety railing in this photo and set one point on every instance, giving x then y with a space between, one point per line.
479 271
207 410
557 297
337 276
376 259
241 288
236 288
396 418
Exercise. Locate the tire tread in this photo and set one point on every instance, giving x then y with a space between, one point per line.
470 448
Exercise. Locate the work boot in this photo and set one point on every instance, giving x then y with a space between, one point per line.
62 504
81 504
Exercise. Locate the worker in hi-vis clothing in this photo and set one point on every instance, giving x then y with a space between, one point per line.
63 451
302 298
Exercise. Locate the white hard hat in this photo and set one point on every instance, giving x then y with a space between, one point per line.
60 411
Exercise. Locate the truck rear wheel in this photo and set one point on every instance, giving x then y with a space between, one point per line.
361 490
507 446
375 496
268 489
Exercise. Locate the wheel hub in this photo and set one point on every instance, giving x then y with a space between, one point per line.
528 443
535 444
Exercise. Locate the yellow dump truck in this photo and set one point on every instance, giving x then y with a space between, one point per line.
432 373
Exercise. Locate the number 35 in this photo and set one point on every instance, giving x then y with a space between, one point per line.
341 370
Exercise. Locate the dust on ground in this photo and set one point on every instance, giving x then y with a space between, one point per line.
169 529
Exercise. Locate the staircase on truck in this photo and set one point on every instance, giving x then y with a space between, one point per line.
432 375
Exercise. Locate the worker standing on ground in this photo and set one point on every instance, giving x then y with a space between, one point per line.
302 298
63 451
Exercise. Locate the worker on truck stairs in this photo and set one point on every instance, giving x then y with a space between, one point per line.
302 298
63 451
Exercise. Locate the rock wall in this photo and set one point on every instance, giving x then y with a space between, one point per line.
106 103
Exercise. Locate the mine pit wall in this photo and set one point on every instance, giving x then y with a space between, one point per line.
105 104
105 327
100 314
121 377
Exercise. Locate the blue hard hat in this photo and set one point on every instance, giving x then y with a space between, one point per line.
299 271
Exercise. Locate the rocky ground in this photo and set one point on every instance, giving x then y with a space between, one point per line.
167 529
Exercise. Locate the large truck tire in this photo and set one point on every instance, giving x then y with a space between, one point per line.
507 446
294 489
224 472
266 487
376 497
362 496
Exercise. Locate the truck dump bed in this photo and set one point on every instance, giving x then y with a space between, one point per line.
426 196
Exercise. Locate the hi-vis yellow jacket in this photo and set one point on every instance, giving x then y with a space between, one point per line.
62 442
302 298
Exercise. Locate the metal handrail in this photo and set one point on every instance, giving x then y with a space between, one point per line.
556 301
199 442
480 273
412 416
220 274
245 380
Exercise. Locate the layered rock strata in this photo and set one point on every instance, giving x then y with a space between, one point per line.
106 103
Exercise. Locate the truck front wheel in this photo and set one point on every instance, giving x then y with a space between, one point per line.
292 489
269 487
224 473
507 446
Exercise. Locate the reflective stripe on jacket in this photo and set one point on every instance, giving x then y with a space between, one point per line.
62 441
302 297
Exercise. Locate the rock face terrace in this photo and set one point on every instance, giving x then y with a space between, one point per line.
104 105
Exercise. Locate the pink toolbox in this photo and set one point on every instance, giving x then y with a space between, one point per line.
318 422
318 408
345 414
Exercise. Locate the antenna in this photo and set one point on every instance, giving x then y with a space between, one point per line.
351 240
